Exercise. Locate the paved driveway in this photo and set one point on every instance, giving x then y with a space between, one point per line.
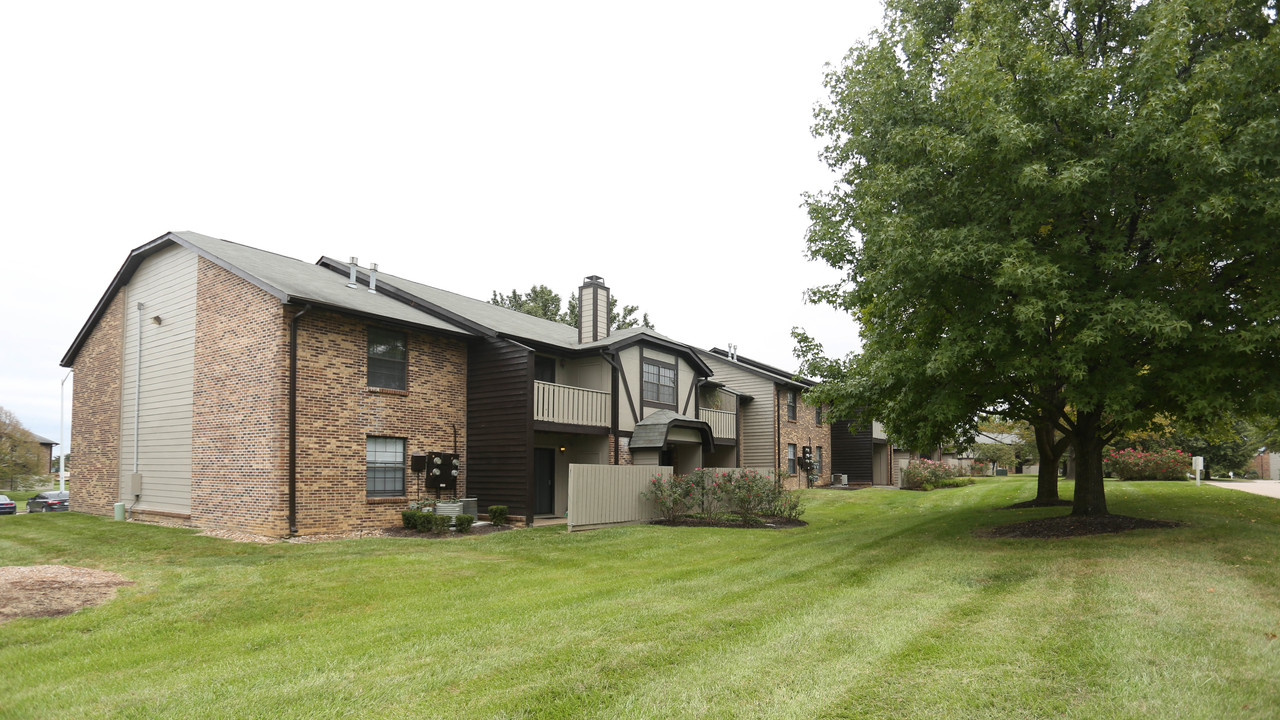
1270 488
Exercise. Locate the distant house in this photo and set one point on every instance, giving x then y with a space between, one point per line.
225 386
47 446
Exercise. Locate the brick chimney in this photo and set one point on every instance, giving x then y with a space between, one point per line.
593 310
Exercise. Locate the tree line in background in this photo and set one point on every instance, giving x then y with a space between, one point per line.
20 453
1061 212
541 301
1228 446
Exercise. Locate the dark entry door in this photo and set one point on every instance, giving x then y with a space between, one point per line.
544 480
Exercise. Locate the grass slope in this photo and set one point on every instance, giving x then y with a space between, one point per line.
886 605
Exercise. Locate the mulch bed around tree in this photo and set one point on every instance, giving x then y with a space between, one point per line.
1071 526
1036 503
770 523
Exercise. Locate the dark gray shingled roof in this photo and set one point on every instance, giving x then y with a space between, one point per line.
651 432
288 279
298 281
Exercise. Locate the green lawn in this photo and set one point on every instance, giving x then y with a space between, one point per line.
886 605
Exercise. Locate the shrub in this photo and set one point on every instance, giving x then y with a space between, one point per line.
979 469
667 494
410 518
947 483
789 505
440 523
498 514
749 494
463 522
919 473
1130 464
423 522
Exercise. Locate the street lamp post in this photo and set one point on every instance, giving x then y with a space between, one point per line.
62 433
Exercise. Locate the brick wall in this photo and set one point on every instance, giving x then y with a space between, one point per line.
95 416
802 431
337 411
240 419
623 451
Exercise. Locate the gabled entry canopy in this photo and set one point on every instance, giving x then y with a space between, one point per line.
663 426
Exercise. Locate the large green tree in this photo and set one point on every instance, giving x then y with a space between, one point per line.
19 452
1058 211
541 301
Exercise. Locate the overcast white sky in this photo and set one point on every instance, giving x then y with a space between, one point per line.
472 146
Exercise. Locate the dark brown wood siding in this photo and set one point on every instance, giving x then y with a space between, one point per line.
500 425
851 452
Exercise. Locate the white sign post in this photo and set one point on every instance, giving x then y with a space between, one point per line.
1197 464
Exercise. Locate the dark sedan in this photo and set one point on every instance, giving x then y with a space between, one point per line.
7 506
52 501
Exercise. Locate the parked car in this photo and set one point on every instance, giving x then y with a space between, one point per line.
51 501
7 506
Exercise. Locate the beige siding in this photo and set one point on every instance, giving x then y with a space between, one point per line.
592 373
629 359
610 494
757 439
165 284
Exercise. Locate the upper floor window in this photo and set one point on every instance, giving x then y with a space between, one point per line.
817 415
658 383
791 404
388 359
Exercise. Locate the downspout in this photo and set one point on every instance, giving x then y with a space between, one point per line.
137 404
293 419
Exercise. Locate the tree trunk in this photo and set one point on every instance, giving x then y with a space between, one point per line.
1047 479
1090 495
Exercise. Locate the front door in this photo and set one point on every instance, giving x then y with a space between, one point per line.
544 480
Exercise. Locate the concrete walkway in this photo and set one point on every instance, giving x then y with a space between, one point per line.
1270 488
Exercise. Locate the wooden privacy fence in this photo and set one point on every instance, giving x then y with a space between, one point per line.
602 495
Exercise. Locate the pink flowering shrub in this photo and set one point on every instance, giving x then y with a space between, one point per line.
925 474
703 493
1130 464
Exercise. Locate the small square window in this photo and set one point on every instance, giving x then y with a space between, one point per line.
388 359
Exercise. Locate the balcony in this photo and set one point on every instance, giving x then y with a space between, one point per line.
568 405
724 425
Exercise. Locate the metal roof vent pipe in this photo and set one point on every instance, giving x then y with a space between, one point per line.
352 282
373 277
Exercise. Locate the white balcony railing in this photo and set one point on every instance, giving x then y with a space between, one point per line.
723 424
570 405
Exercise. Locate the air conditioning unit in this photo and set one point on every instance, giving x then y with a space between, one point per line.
839 479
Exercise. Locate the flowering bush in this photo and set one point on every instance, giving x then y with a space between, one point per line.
920 472
749 494
668 494
1130 464
979 469
744 493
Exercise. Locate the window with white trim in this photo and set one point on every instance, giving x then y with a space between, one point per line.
791 458
384 467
